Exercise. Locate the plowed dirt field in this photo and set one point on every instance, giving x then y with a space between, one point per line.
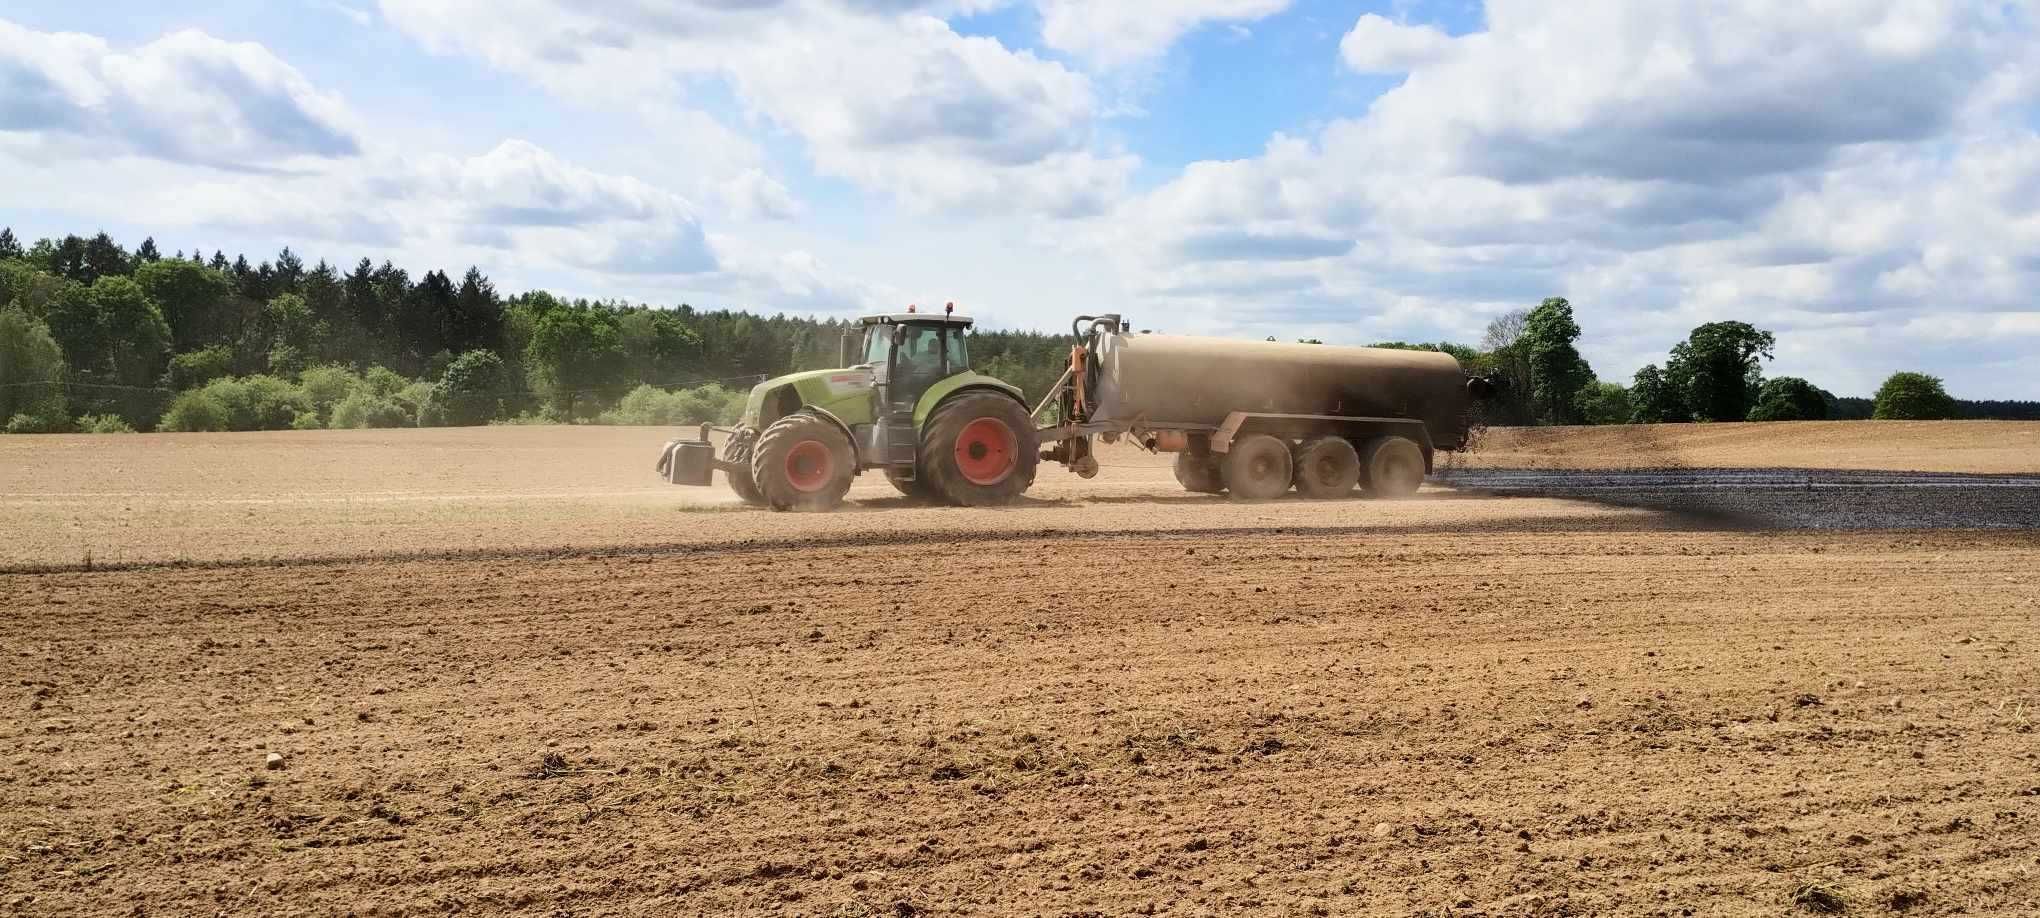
518 680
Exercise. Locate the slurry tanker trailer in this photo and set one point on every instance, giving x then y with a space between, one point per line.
1252 419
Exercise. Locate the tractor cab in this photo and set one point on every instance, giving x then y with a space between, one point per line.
909 351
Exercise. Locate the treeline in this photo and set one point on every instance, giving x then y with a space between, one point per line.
1716 374
96 337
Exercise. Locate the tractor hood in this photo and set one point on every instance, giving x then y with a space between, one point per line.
820 388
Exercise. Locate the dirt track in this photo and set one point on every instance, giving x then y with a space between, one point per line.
1091 705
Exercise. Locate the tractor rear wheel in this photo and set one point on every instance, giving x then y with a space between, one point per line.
1199 474
1327 468
1258 467
802 462
1393 467
979 450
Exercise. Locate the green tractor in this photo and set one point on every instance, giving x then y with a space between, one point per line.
905 403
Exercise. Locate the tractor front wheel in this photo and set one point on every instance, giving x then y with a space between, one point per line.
802 462
737 471
979 450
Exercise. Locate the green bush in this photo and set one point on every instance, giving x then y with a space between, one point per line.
195 410
1913 397
649 406
413 397
25 423
327 385
365 409
244 403
307 421
1789 398
384 381
544 417
193 369
103 424
467 392
32 369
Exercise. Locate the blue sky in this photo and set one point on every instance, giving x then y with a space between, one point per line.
1862 179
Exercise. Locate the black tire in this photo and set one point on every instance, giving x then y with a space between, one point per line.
1199 474
916 489
1258 467
998 455
803 462
1392 467
1327 468
747 489
738 454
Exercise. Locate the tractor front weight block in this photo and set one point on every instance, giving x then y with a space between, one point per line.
688 462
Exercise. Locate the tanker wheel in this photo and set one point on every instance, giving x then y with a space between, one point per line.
916 488
1258 467
980 450
1393 467
1199 474
802 462
1327 468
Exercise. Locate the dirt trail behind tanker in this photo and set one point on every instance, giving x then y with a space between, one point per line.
1978 447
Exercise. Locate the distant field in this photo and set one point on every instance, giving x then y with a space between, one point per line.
1993 447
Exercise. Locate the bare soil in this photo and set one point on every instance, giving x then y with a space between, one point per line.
71 501
528 683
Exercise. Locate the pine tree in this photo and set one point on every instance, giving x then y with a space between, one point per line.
67 260
9 246
477 319
147 251
219 261
104 258
290 270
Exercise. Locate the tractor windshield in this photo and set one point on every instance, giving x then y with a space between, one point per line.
921 349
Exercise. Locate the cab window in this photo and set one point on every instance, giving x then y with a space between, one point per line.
877 343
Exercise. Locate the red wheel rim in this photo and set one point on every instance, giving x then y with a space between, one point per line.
986 451
809 466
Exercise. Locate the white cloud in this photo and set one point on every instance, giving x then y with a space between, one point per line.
1827 170
753 195
1123 31
1377 45
186 97
880 92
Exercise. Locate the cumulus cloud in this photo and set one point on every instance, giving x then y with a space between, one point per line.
881 92
1377 45
1837 169
1124 31
186 97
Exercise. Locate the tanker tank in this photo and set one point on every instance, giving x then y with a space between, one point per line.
1180 380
